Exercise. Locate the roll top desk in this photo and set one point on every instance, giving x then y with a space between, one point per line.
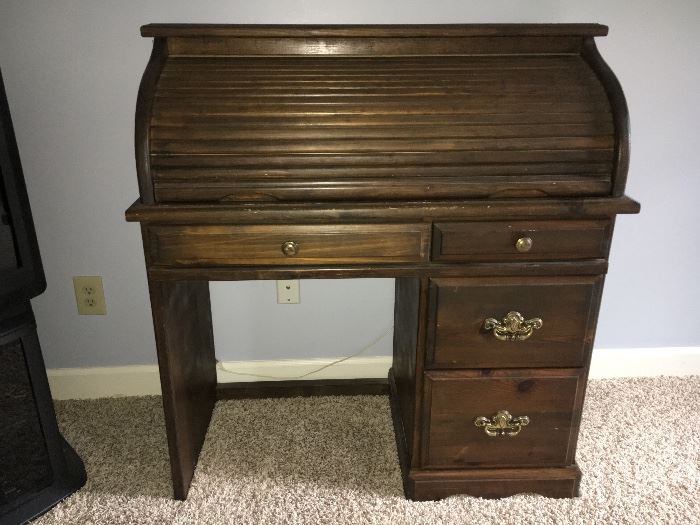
481 166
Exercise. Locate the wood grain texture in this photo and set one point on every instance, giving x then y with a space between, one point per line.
483 241
455 399
185 344
487 209
235 108
325 244
383 30
618 106
568 308
142 121
243 273
378 45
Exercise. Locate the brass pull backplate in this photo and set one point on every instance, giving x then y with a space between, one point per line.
502 424
513 327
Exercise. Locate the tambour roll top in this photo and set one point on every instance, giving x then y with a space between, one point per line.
236 114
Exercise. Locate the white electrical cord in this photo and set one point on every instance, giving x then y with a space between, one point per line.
381 336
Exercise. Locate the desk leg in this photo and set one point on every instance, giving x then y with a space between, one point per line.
185 343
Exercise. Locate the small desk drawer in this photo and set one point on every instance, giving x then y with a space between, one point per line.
463 411
520 240
460 335
288 245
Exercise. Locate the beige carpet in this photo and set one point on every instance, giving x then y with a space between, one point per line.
333 460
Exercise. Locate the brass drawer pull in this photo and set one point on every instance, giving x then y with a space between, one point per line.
513 327
502 424
290 248
524 244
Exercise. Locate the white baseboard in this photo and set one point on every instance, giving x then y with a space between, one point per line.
138 380
644 362
104 381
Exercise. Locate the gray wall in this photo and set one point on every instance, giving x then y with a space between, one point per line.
72 70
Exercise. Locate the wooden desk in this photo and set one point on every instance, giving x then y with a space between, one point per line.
481 166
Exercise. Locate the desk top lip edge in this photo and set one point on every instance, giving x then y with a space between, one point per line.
373 30
400 211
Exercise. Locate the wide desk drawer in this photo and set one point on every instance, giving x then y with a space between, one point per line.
504 418
512 322
520 240
289 244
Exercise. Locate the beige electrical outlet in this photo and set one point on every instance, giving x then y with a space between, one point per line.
89 295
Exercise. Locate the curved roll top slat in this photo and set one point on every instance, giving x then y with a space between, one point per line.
324 127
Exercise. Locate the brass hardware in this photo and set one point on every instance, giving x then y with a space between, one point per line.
524 244
290 248
502 424
513 327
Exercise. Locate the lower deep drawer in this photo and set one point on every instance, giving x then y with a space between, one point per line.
466 422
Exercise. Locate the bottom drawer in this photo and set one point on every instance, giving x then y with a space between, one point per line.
501 418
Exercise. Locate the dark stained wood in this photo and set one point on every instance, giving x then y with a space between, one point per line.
185 344
525 209
618 105
251 46
303 388
568 308
231 105
401 431
330 244
420 153
243 273
483 241
404 30
453 400
555 482
407 325
142 126
437 188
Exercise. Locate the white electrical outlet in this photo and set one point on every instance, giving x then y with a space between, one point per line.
89 295
288 291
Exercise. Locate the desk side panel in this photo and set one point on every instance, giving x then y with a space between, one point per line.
185 344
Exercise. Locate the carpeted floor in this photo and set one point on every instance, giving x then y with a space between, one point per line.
333 460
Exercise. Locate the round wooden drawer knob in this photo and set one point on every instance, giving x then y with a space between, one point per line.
524 244
290 248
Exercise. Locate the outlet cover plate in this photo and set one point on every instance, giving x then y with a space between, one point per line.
288 291
90 295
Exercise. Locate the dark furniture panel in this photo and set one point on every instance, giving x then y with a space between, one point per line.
24 456
552 482
8 255
292 244
39 468
185 345
520 240
21 272
456 401
556 327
